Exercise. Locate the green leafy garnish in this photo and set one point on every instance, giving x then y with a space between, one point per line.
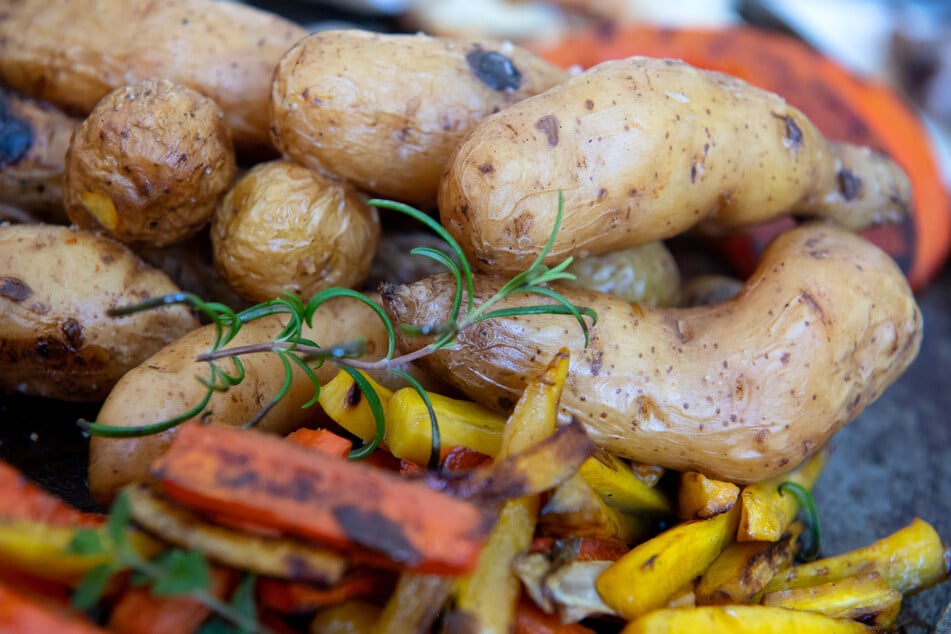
807 504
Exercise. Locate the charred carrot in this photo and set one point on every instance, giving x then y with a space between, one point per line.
582 548
290 597
262 479
22 499
138 611
20 612
323 440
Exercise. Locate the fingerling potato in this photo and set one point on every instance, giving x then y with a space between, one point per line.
56 285
73 53
149 164
33 145
739 391
165 386
284 227
385 111
644 149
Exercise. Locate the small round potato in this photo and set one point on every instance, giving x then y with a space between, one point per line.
284 227
646 274
56 285
150 164
386 111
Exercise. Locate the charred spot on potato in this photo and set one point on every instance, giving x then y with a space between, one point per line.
73 334
14 289
549 126
850 185
16 136
793 133
494 69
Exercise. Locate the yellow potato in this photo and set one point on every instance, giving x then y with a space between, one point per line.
739 391
644 149
56 285
386 111
73 53
165 386
35 138
284 227
149 164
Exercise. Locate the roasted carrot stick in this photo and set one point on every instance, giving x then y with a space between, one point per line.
262 479
20 613
323 440
290 597
529 619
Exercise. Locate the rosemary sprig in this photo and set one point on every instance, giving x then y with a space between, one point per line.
810 512
173 572
295 350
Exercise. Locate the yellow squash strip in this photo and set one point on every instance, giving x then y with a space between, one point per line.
41 550
414 604
409 429
767 513
910 559
343 402
701 497
651 573
741 619
866 598
744 568
614 480
487 598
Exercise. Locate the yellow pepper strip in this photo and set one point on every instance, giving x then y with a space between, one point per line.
743 569
41 550
343 402
766 512
414 604
488 597
701 497
350 617
615 481
647 576
866 598
910 559
575 509
741 619
409 430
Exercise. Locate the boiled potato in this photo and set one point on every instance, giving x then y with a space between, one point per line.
225 50
33 145
739 391
284 227
149 164
385 111
56 285
644 149
165 386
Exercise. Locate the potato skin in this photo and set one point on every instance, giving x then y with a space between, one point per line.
740 391
225 50
164 386
56 285
284 227
32 156
386 111
642 150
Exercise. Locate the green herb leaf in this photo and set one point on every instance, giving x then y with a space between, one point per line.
117 524
93 586
807 505
185 571
86 542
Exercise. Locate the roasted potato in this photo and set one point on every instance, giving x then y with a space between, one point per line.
644 149
386 111
165 386
645 273
149 164
226 50
739 391
56 285
33 141
284 227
